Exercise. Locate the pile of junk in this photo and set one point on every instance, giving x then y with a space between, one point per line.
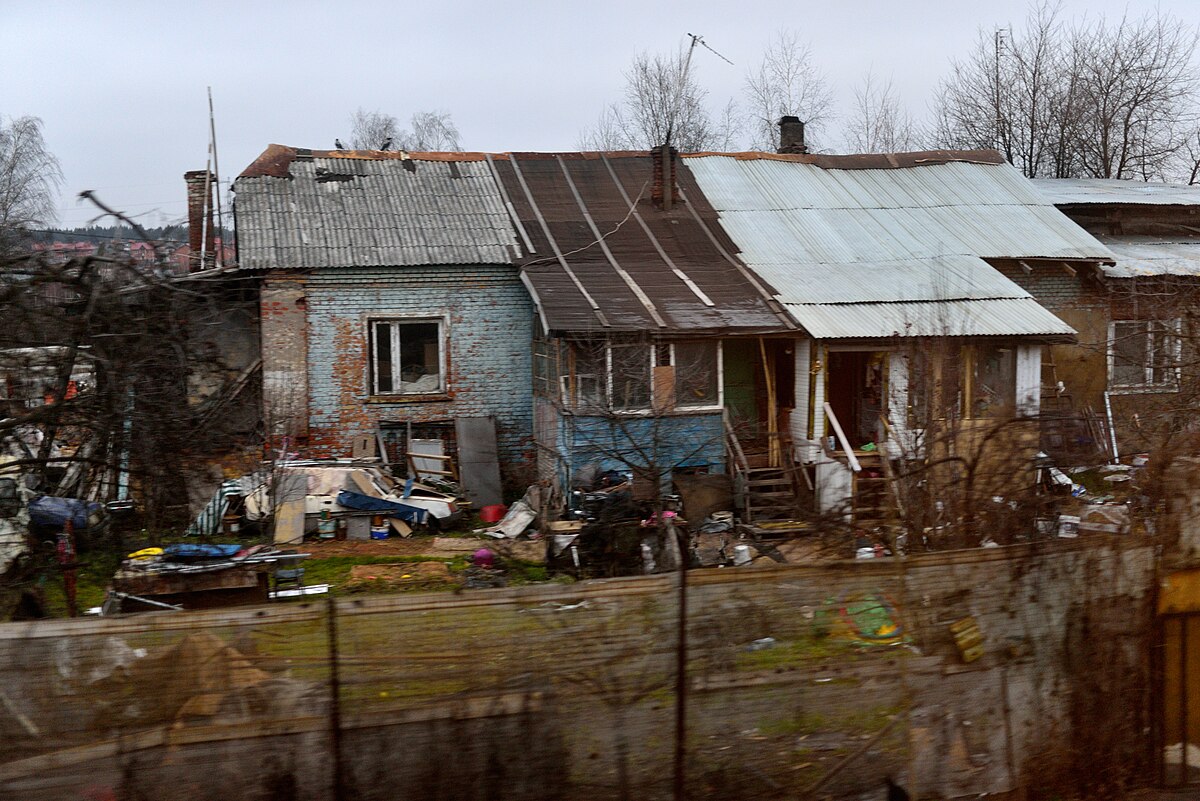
204 576
330 499
612 528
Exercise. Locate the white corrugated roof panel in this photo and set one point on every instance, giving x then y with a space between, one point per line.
905 236
1076 191
1146 255
950 318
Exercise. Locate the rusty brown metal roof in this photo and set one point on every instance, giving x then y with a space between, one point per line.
606 259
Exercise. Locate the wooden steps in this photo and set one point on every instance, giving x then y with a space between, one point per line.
871 502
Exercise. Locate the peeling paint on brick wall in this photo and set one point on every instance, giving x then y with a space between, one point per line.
487 317
625 443
284 351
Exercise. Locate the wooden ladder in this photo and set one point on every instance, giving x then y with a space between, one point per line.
1055 396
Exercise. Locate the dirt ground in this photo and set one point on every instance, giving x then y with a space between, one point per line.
431 547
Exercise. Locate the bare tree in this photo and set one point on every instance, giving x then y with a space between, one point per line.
878 123
1095 100
785 82
29 179
663 101
369 130
1013 93
1137 88
429 131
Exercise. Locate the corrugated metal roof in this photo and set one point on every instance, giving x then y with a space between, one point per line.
1080 191
1148 255
919 235
953 318
341 212
654 271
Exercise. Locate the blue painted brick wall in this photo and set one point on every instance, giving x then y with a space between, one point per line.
666 442
488 353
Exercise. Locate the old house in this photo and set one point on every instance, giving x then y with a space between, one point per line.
892 266
786 317
1133 359
390 305
651 334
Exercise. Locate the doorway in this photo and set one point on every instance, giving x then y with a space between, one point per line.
856 392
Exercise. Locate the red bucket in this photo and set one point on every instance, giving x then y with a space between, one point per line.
494 513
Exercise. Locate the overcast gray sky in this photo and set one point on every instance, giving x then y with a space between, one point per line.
120 86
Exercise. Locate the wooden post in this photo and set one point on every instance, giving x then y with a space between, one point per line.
335 703
681 683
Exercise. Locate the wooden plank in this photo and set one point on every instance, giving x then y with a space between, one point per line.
837 429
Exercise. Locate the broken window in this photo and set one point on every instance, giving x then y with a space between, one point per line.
406 357
1143 355
640 377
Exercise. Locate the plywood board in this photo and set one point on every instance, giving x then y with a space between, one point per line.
290 492
432 447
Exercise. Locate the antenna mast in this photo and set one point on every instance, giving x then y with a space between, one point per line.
999 113
212 148
687 64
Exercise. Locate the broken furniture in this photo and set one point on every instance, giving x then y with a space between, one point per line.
196 577
288 573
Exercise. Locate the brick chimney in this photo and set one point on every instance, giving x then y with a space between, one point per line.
665 189
201 233
791 135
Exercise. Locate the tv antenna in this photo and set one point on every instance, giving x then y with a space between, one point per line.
699 40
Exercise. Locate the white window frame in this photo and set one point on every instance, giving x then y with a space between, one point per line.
1174 329
651 356
394 321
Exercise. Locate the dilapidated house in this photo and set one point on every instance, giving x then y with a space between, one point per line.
893 267
391 306
651 333
1133 361
786 318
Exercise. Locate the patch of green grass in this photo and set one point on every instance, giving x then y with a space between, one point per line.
792 653
335 570
91 582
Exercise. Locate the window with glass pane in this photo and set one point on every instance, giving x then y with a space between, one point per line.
406 357
994 384
630 376
1143 354
696 374
590 371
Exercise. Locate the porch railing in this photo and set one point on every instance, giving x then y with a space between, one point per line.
841 437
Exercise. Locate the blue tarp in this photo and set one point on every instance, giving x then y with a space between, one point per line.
47 510
367 503
196 551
